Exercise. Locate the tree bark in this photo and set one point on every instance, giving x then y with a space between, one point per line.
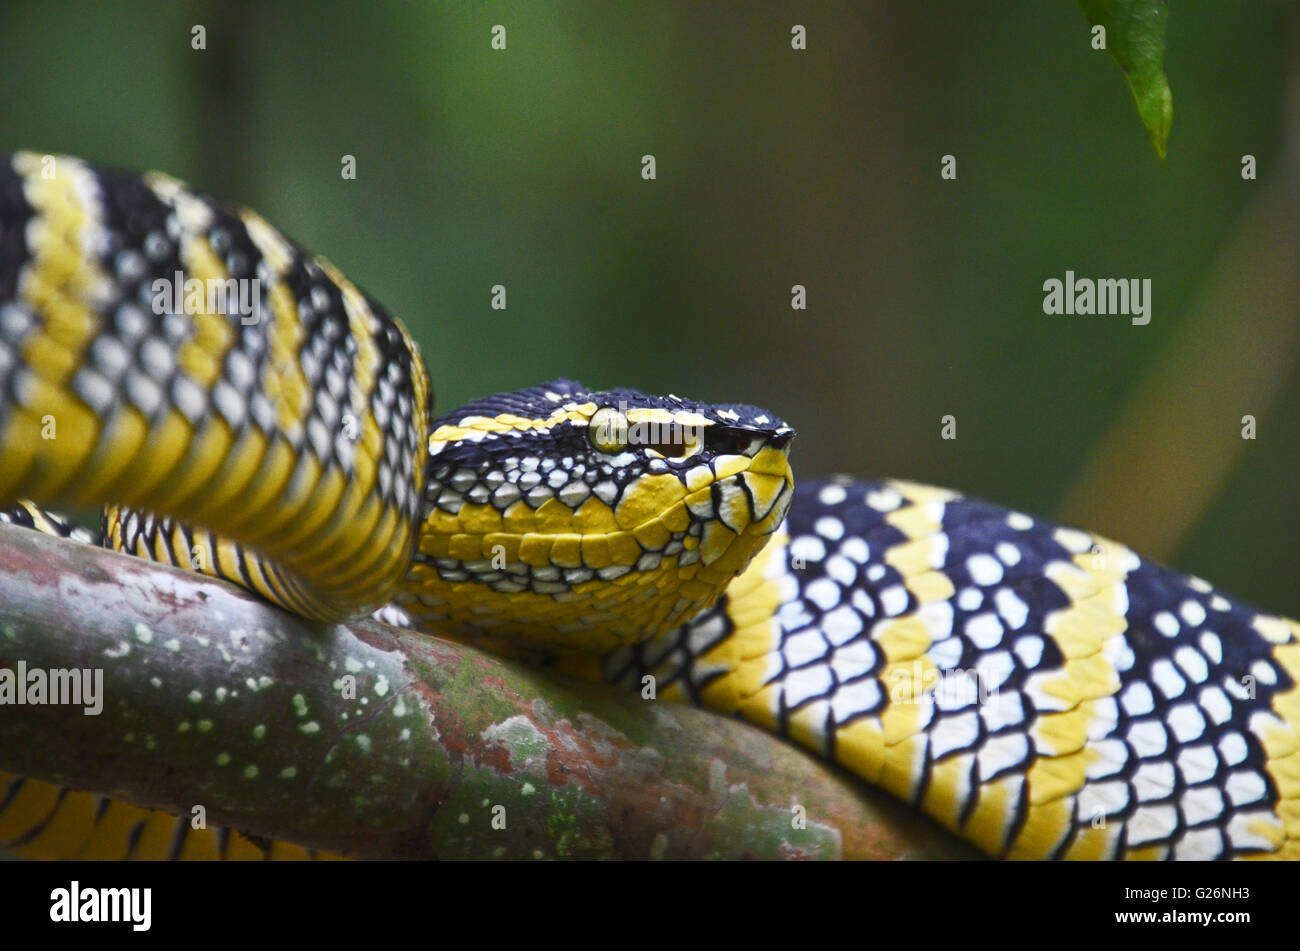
375 742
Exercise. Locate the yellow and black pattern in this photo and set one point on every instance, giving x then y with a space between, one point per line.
1043 692
27 515
44 821
157 350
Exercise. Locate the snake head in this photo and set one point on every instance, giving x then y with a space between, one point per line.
557 516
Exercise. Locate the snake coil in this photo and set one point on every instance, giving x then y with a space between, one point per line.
243 410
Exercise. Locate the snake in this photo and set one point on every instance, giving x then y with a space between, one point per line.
235 406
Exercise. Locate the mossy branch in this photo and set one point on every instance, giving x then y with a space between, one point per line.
374 742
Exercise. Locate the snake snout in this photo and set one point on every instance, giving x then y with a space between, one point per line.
782 438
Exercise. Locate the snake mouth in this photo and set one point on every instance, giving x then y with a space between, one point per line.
606 573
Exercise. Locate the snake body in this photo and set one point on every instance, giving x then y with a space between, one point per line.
1039 690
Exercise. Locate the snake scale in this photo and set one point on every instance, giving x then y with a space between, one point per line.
1041 691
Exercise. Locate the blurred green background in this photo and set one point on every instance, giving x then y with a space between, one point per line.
522 167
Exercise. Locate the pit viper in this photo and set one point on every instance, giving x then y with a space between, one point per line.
243 410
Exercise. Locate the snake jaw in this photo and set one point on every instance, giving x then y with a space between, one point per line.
589 520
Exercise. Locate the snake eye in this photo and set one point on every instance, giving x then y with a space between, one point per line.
724 440
608 430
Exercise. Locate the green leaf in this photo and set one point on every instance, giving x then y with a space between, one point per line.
1135 37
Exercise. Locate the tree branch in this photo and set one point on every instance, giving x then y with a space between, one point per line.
213 699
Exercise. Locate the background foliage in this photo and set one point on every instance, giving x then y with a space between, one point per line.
775 167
